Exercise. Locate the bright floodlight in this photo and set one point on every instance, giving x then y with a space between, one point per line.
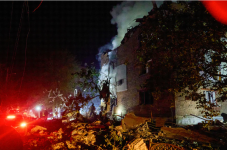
38 108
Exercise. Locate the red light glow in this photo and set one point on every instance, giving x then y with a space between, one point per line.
217 9
23 124
11 117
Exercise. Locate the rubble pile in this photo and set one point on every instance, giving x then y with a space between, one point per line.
37 128
132 121
143 131
138 144
82 136
134 133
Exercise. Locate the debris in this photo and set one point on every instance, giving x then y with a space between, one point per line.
60 131
119 128
213 128
78 131
64 121
58 146
96 123
217 122
131 121
56 135
78 125
138 144
70 145
181 134
165 146
37 128
143 131
108 123
84 136
42 133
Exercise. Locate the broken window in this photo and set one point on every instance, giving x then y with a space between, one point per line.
145 98
120 82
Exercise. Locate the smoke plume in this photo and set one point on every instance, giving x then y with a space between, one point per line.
124 16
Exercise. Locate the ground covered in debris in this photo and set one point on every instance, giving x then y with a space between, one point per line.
126 134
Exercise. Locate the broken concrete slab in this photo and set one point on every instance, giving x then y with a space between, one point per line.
137 144
132 121
181 134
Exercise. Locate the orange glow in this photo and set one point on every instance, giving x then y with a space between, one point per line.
11 117
23 124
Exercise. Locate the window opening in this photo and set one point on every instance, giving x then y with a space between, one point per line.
120 82
146 97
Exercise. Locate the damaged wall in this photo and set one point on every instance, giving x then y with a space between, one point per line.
185 107
128 99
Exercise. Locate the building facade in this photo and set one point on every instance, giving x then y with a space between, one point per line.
126 77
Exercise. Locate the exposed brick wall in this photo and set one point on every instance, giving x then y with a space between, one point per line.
129 99
126 55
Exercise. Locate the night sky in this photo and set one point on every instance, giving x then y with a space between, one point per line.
80 27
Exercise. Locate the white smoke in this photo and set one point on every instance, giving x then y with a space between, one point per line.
124 16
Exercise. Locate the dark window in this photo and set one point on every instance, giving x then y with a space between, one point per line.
120 82
145 97
143 70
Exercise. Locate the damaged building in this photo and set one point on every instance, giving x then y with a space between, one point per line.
127 76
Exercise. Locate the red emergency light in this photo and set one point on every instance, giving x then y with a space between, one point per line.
11 117
23 124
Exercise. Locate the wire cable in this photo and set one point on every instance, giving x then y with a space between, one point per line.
38 6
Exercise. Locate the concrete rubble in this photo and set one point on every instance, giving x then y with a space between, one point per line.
56 135
131 121
137 144
58 146
80 134
182 134
136 129
37 128
143 131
